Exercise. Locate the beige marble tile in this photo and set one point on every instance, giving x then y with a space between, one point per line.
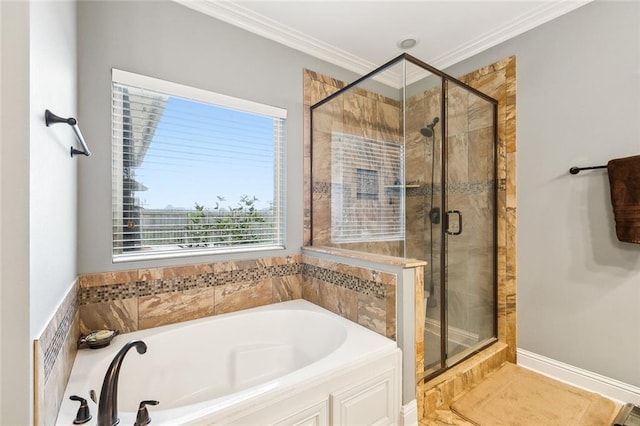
338 300
286 288
391 310
121 315
372 313
311 290
440 392
321 222
107 278
237 296
170 308
444 418
48 391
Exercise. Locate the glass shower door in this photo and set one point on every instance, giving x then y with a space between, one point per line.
468 223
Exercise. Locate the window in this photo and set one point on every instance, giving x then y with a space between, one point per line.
193 172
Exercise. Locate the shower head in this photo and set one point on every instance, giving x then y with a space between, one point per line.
428 131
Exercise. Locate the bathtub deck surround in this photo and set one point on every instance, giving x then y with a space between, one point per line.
139 299
135 300
282 363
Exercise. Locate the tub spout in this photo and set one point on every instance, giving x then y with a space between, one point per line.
108 405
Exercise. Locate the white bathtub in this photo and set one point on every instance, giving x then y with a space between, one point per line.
287 363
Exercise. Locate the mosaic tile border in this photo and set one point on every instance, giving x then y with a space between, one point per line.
359 285
139 288
454 188
55 346
322 190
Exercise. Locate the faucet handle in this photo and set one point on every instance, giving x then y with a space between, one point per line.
143 414
83 414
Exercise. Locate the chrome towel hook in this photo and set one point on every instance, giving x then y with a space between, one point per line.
51 118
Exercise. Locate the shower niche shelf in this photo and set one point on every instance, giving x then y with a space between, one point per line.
400 186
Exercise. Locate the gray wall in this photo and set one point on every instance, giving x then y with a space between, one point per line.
578 103
53 173
38 190
168 41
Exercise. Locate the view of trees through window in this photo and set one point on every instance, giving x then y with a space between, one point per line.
192 175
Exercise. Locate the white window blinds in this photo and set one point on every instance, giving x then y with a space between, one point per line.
193 171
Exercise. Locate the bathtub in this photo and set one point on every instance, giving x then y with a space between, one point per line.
287 363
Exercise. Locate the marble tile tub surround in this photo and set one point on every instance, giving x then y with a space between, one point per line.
145 298
365 296
54 352
134 300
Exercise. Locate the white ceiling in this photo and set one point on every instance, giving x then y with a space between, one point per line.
362 35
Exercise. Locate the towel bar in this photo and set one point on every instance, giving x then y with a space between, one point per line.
51 118
576 170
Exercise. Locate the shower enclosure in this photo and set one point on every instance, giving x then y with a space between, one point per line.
403 163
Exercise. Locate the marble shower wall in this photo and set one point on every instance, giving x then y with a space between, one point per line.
375 121
469 188
497 80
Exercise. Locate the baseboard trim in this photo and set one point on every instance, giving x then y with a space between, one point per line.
409 414
611 388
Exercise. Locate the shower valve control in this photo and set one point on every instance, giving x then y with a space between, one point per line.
434 215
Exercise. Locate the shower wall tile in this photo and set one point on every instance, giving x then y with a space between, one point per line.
315 88
458 158
361 113
480 155
498 81
385 248
480 113
389 119
322 151
457 110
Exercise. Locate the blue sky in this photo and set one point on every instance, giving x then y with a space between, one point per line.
194 154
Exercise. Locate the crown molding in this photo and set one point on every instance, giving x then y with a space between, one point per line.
245 18
538 16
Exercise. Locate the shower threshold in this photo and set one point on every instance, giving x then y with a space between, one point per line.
629 415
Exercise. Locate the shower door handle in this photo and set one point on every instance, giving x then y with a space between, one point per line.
456 230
